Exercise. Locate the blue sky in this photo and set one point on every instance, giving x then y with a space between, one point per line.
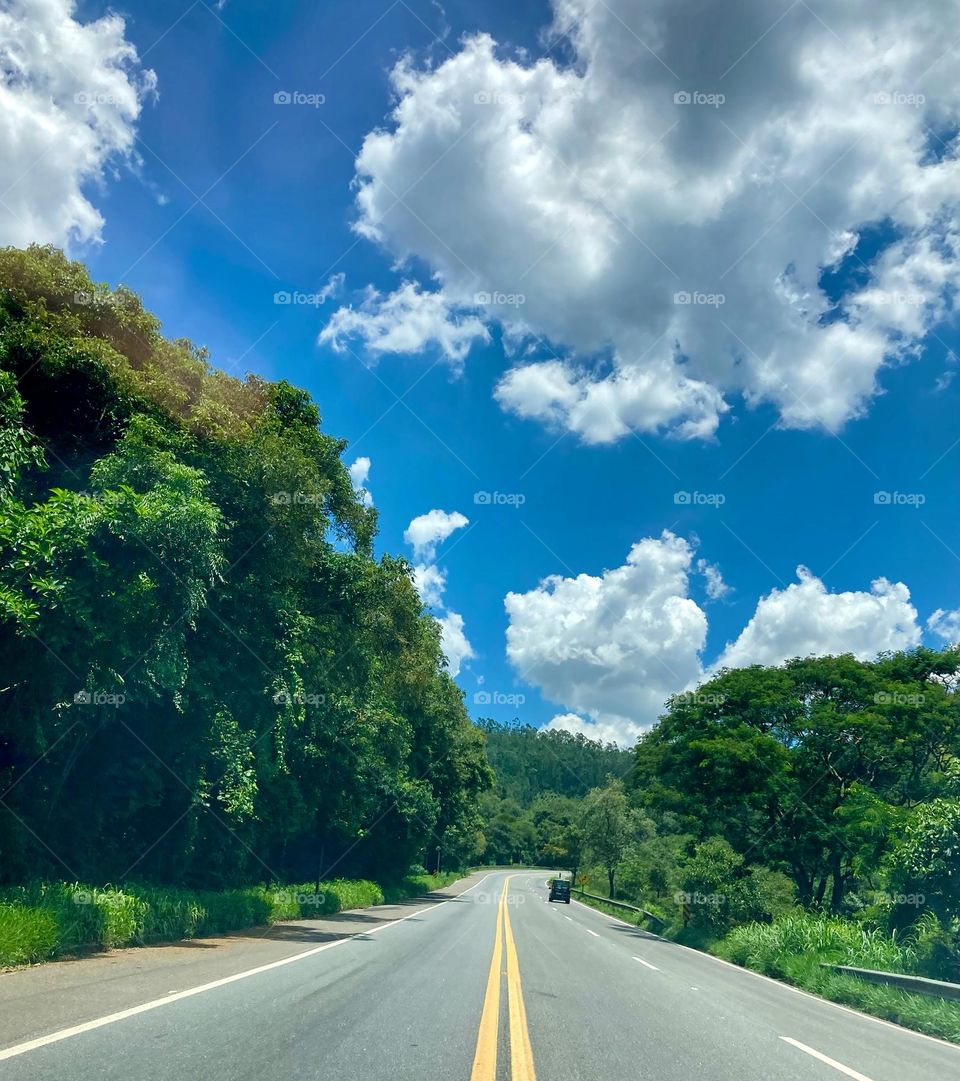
228 198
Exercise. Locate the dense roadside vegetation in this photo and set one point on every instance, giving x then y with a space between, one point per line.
208 678
788 818
47 920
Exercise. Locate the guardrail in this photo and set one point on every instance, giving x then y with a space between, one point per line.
918 984
622 905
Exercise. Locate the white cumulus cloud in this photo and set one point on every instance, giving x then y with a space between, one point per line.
453 640
359 472
945 625
428 530
623 733
666 200
405 321
806 619
425 533
70 97
430 582
612 646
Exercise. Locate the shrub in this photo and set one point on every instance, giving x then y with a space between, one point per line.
49 919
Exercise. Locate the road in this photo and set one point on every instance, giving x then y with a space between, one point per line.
483 981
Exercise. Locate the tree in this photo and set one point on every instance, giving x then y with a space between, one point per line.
607 825
211 679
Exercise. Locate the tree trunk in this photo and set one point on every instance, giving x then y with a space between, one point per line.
610 881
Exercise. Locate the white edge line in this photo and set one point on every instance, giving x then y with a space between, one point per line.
176 996
825 1058
647 963
779 983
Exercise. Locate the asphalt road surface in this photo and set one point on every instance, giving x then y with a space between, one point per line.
483 981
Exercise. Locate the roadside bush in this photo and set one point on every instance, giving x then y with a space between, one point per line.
795 948
49 919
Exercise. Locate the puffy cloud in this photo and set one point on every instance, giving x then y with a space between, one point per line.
454 642
612 646
624 733
70 97
359 472
805 619
674 246
425 533
717 588
405 321
946 625
428 530
430 582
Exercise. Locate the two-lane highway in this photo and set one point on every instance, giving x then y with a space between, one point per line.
485 981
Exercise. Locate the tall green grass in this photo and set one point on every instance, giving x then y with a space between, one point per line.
43 920
769 947
796 947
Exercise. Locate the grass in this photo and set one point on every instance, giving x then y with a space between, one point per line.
45 920
794 949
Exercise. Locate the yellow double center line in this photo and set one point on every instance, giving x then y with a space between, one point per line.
521 1054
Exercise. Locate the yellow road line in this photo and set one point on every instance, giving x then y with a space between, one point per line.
521 1053
485 1056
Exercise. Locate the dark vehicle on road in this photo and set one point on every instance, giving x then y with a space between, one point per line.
560 890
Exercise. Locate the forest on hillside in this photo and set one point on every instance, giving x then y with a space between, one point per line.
824 789
208 678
